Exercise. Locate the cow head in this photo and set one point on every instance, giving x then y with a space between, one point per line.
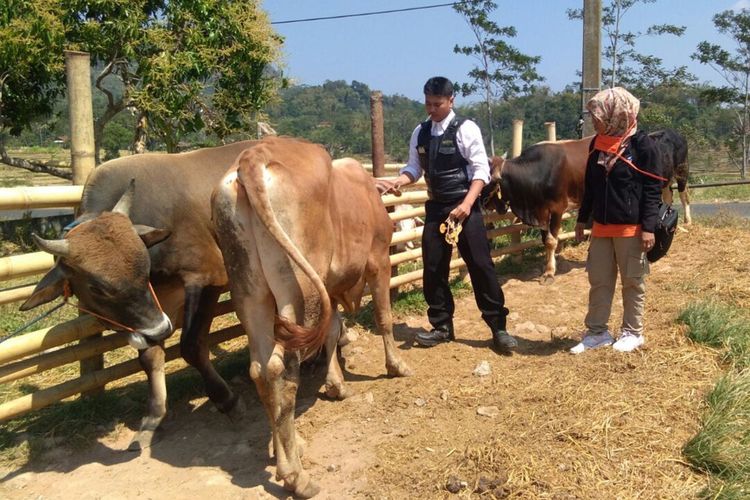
493 195
105 262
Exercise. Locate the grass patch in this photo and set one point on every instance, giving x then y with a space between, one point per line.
722 447
720 326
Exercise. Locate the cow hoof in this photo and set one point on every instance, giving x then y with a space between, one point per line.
337 391
303 487
142 440
546 279
237 411
399 369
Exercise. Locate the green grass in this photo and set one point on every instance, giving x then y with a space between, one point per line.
720 326
722 447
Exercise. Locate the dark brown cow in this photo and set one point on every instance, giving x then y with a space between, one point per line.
105 260
300 235
539 185
673 153
547 179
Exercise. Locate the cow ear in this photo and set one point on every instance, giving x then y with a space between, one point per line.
48 289
151 235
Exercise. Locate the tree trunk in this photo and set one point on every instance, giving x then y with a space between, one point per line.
141 135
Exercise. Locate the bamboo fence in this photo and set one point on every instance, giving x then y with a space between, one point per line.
79 339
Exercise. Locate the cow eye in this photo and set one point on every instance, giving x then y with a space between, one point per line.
100 289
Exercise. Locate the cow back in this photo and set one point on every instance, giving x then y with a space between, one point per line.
672 156
172 191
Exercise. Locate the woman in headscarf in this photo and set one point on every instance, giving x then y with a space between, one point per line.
622 193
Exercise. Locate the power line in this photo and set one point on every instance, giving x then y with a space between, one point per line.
368 13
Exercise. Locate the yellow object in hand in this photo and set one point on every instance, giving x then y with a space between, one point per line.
451 229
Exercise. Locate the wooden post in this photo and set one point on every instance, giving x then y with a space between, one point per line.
551 131
378 156
378 146
515 238
591 63
78 70
517 138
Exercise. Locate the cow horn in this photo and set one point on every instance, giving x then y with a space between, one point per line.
60 248
126 200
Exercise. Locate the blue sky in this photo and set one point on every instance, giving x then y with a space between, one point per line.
396 53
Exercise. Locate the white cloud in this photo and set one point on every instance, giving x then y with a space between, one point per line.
741 4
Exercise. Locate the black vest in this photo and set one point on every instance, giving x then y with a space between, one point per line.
444 167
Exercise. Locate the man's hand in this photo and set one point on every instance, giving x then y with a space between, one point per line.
647 241
388 187
460 212
580 227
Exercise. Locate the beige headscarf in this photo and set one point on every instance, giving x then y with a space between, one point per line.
617 108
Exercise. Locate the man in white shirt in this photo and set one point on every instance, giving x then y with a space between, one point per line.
449 151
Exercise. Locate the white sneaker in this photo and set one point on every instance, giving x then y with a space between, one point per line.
628 342
593 341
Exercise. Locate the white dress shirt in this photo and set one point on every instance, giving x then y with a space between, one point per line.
470 145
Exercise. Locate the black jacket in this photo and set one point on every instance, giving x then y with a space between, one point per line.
624 195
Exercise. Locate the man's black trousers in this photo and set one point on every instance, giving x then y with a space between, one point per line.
475 250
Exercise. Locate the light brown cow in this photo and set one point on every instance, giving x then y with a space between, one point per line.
299 235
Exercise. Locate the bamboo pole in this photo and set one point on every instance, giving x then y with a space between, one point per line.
97 379
16 294
18 266
407 214
40 340
29 197
78 71
404 236
551 131
70 354
390 200
517 138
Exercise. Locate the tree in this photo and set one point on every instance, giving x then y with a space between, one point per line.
627 67
184 65
31 70
502 70
735 71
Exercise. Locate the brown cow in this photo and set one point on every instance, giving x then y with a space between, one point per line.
547 179
107 264
539 185
300 235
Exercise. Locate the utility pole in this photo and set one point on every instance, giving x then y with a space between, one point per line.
591 61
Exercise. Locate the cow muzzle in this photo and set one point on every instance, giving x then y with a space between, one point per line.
144 338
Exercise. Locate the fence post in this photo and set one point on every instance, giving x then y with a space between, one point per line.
78 72
515 238
551 131
378 157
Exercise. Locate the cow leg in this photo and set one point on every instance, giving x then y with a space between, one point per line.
550 246
666 195
276 377
200 303
152 362
378 278
335 387
685 200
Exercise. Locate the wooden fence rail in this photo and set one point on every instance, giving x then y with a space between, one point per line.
51 348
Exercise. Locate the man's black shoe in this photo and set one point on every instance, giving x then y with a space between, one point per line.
503 342
435 336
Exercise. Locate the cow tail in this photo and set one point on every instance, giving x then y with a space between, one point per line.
287 333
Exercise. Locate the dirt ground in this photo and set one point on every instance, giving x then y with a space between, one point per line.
542 424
